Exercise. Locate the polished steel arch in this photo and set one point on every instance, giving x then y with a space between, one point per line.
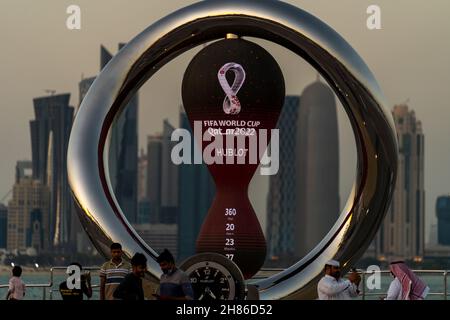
287 26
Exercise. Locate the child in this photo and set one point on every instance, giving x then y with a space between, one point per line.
16 289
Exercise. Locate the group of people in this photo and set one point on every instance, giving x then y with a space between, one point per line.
405 285
119 280
122 280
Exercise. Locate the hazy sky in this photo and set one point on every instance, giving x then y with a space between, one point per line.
410 57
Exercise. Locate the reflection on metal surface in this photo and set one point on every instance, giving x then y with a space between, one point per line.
285 25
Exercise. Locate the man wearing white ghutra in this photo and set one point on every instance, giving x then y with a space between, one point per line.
333 287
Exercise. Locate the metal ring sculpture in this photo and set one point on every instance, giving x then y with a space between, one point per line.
291 28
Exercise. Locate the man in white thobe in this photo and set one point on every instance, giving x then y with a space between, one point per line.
333 287
395 290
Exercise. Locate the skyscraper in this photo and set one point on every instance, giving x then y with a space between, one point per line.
3 225
123 152
169 173
162 178
318 167
283 189
50 133
83 88
154 149
28 215
142 175
196 190
443 216
143 203
169 178
402 232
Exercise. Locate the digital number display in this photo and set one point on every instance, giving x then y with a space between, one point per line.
230 226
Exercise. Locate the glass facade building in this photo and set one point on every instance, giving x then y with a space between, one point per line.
283 189
443 216
196 190
50 132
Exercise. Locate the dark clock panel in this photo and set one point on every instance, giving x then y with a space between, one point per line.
214 277
210 284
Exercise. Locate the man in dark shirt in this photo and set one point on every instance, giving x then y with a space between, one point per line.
131 286
76 294
174 283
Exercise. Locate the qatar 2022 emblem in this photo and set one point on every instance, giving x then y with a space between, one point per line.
231 103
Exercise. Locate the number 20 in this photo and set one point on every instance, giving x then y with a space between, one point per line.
230 227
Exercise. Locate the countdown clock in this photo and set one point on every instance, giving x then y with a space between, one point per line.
214 277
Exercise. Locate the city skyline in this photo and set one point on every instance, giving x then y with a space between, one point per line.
399 63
